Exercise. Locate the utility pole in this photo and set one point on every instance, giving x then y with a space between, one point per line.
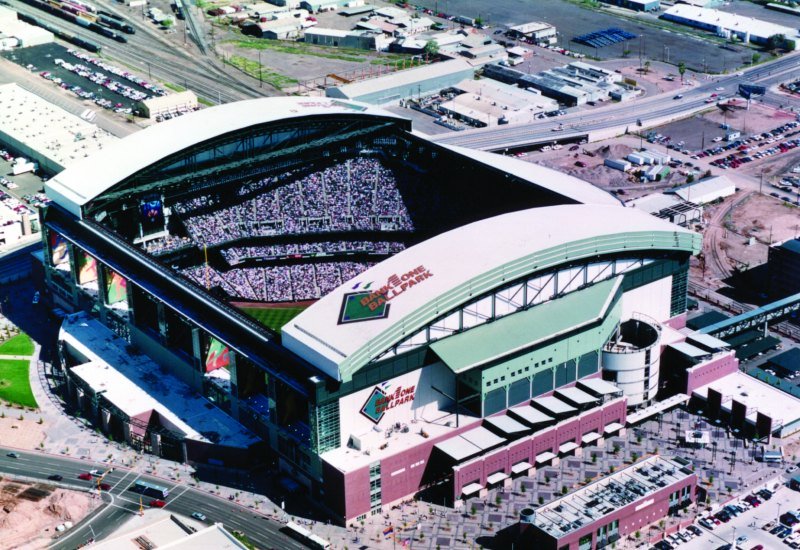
260 80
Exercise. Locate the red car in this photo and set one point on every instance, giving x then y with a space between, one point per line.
158 503
105 487
85 475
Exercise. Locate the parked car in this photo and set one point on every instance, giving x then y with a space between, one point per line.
158 503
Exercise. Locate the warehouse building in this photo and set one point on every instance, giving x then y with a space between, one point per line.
727 25
178 102
410 83
358 40
706 191
46 133
486 102
535 32
636 5
18 34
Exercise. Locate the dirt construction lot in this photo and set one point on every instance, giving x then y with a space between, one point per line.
30 513
763 217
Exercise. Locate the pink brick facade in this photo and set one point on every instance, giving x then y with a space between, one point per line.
633 517
404 474
711 370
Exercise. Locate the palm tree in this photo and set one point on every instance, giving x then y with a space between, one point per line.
681 69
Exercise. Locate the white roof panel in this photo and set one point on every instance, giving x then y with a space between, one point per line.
506 424
531 415
457 259
88 178
554 405
521 467
599 386
497 477
576 396
483 438
458 448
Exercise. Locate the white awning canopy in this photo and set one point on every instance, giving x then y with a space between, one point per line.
496 478
471 489
544 457
521 467
590 437
567 447
613 427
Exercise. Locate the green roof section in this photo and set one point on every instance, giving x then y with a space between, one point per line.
520 331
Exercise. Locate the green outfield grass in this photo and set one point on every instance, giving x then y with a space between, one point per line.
273 317
17 345
14 384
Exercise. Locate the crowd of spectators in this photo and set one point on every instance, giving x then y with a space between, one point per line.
168 243
284 283
360 194
237 254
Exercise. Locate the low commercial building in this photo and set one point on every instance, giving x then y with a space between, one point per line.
636 5
573 84
280 29
649 157
360 40
707 190
317 6
168 104
160 529
537 32
756 408
727 25
18 34
784 268
416 82
668 207
486 102
44 132
613 507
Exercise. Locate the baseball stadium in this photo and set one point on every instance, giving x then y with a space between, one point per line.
311 283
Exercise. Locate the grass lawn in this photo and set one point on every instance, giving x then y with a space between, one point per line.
273 317
14 384
18 345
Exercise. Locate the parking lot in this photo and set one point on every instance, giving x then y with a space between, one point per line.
749 524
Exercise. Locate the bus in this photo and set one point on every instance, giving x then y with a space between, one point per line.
306 537
150 490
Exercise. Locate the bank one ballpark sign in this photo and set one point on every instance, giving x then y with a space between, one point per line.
368 304
382 400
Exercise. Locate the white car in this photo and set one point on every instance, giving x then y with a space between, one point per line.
719 89
198 516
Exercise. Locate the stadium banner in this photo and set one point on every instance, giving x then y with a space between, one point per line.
152 214
58 249
217 355
87 269
116 287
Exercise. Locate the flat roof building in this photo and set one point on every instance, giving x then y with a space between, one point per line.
613 507
410 83
487 102
537 32
636 5
706 191
725 24
46 133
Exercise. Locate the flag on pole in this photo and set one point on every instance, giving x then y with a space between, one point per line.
387 533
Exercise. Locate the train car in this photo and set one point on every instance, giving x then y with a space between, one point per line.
85 6
110 15
62 34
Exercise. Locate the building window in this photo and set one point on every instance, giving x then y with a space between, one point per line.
326 429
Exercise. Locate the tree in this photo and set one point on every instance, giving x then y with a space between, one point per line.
646 67
478 21
681 69
777 41
756 57
431 48
167 23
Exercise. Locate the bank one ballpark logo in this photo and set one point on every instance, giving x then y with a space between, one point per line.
383 398
368 302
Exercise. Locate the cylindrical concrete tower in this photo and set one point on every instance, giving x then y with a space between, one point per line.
631 359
